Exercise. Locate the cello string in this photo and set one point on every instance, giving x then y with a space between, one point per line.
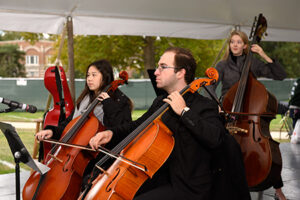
103 150
118 148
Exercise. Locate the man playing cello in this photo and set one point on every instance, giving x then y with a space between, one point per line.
196 126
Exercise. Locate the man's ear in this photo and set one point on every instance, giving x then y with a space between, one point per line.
181 73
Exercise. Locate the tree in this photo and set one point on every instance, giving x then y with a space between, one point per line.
12 35
204 51
10 61
137 52
287 53
121 51
149 54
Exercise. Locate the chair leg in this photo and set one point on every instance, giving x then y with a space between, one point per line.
36 143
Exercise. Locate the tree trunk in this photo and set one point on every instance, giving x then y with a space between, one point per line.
149 54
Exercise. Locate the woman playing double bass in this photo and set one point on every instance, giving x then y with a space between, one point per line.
196 127
231 66
115 108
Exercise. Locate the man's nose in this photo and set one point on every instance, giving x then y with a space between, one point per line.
156 72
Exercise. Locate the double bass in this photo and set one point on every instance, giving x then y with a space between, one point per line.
146 148
67 163
253 107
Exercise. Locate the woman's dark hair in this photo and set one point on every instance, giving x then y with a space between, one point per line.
106 70
184 60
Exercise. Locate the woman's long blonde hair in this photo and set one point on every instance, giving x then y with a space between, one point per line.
244 38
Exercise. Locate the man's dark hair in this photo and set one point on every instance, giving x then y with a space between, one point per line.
184 59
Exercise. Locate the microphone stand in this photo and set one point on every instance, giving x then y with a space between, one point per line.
10 109
17 156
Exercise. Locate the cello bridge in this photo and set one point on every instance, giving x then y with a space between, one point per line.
234 130
55 158
102 170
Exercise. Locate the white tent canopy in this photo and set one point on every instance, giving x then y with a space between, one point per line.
199 19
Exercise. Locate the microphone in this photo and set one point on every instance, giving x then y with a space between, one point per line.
14 104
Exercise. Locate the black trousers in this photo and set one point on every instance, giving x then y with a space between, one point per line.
164 192
278 184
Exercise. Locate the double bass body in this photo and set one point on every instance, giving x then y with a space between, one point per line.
261 153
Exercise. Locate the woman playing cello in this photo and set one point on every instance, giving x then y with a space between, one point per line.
231 66
196 127
115 108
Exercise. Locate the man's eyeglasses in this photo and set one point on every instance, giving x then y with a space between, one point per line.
161 68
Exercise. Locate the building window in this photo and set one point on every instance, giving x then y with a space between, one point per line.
32 60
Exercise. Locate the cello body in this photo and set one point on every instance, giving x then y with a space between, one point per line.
64 179
67 163
261 153
123 180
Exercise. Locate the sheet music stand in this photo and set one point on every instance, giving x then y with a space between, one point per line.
20 154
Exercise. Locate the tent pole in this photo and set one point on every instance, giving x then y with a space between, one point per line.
71 56
237 27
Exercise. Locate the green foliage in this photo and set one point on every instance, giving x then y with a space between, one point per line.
10 61
121 51
204 51
287 53
11 35
32 37
127 51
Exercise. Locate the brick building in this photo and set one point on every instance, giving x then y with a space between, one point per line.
37 56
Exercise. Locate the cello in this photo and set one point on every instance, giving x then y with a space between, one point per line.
253 107
147 148
62 100
67 163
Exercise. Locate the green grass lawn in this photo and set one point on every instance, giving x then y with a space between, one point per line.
30 117
21 116
27 135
